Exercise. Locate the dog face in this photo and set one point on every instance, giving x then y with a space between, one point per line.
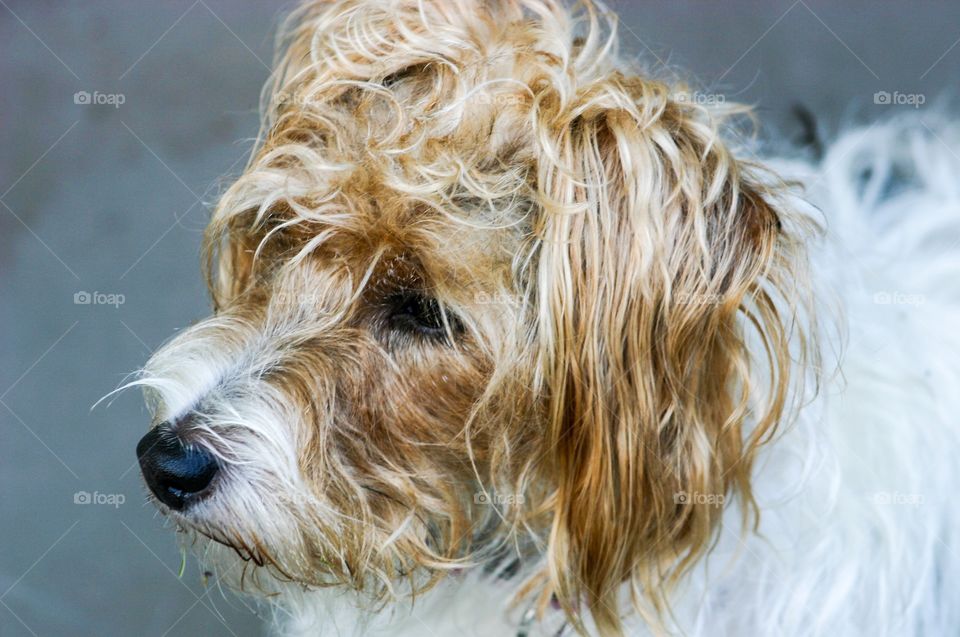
478 282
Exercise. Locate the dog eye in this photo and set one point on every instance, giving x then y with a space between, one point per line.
414 313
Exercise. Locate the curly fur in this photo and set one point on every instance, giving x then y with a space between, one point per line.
622 413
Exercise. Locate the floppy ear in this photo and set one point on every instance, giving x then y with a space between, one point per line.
661 257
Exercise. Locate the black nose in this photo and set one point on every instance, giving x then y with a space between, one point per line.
176 473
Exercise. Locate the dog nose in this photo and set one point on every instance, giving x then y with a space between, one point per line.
176 473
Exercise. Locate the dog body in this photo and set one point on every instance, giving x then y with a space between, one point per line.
509 329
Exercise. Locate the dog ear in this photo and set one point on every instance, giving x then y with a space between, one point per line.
661 257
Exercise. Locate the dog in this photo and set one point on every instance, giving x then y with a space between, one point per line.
513 337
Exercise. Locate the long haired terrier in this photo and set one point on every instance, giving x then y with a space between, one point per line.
511 337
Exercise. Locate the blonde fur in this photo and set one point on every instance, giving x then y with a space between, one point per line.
626 308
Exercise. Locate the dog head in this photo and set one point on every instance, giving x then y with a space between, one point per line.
479 282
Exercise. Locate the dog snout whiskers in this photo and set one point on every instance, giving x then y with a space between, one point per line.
177 473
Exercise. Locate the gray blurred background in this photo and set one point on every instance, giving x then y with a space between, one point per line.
111 199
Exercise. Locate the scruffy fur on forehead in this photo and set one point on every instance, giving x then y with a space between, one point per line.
623 306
